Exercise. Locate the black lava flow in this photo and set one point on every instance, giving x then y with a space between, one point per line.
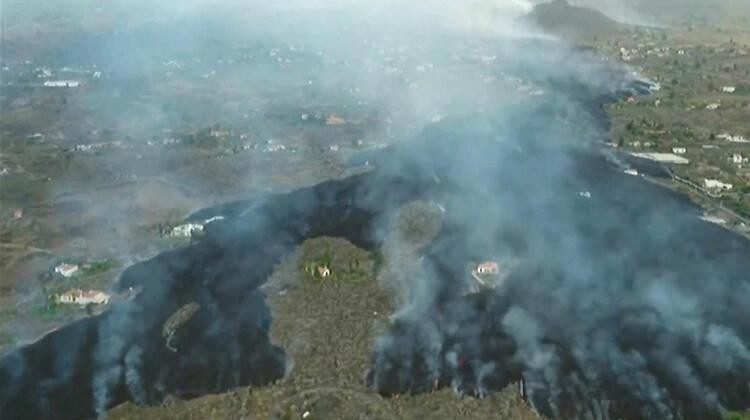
587 320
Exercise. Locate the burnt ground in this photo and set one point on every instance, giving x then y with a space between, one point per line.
328 328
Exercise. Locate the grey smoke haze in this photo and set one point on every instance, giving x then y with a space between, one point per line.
624 296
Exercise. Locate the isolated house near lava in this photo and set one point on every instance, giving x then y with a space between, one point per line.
83 297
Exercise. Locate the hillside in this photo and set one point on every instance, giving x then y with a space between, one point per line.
568 21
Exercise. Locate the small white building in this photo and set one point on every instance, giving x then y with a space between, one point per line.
712 106
62 83
83 297
715 184
323 271
679 150
489 267
66 270
728 89
187 230
737 158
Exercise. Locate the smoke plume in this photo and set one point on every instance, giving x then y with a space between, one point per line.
619 302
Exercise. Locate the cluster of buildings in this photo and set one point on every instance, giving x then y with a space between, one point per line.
274 147
187 230
716 185
733 138
78 296
645 50
94 146
62 83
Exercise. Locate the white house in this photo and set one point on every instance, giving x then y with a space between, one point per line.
83 297
323 271
62 83
679 150
737 158
715 184
66 270
728 89
712 106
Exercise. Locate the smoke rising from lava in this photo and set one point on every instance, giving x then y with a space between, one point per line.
622 302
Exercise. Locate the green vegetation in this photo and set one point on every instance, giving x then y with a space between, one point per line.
344 263
97 267
378 260
6 341
49 310
418 222
91 275
737 415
